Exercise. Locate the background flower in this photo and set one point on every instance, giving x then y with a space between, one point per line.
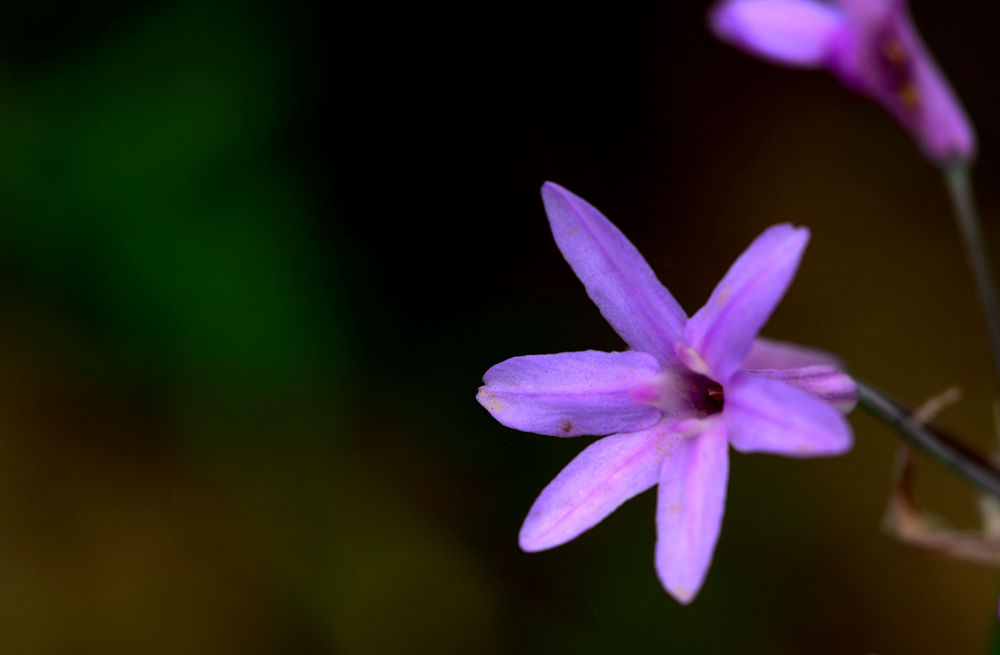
871 46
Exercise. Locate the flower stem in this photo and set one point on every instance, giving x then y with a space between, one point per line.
942 447
959 182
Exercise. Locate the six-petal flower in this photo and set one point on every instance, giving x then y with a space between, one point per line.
674 402
872 46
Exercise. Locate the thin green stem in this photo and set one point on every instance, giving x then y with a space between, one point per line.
932 440
959 183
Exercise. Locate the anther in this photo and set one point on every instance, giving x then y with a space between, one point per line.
895 53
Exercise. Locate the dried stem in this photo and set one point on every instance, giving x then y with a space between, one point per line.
942 447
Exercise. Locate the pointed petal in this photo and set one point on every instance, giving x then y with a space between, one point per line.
791 32
689 507
616 277
570 394
601 478
829 384
816 372
943 130
769 416
771 353
718 337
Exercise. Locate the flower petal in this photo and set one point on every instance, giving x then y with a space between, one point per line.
791 32
871 12
689 508
770 416
601 478
771 353
616 277
943 130
719 336
570 394
883 57
816 372
828 383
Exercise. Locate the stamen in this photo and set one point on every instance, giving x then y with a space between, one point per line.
895 53
907 94
693 360
898 72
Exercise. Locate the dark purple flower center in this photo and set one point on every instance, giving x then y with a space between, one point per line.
705 395
680 394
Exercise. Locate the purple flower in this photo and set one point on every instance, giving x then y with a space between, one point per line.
871 46
673 404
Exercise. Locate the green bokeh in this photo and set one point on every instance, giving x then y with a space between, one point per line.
145 183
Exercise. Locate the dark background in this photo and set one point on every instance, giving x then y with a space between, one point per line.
255 257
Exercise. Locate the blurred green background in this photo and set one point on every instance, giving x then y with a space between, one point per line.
255 257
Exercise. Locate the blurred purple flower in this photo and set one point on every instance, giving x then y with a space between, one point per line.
871 46
673 403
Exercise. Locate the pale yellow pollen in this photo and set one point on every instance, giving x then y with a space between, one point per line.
724 295
683 593
908 95
895 53
694 361
490 402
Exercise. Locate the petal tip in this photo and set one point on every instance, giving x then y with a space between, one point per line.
682 594
530 540
839 445
788 231
843 441
528 546
557 199
845 446
796 237
847 406
721 20
552 190
489 401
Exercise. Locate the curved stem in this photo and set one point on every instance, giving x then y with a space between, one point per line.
960 190
945 449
